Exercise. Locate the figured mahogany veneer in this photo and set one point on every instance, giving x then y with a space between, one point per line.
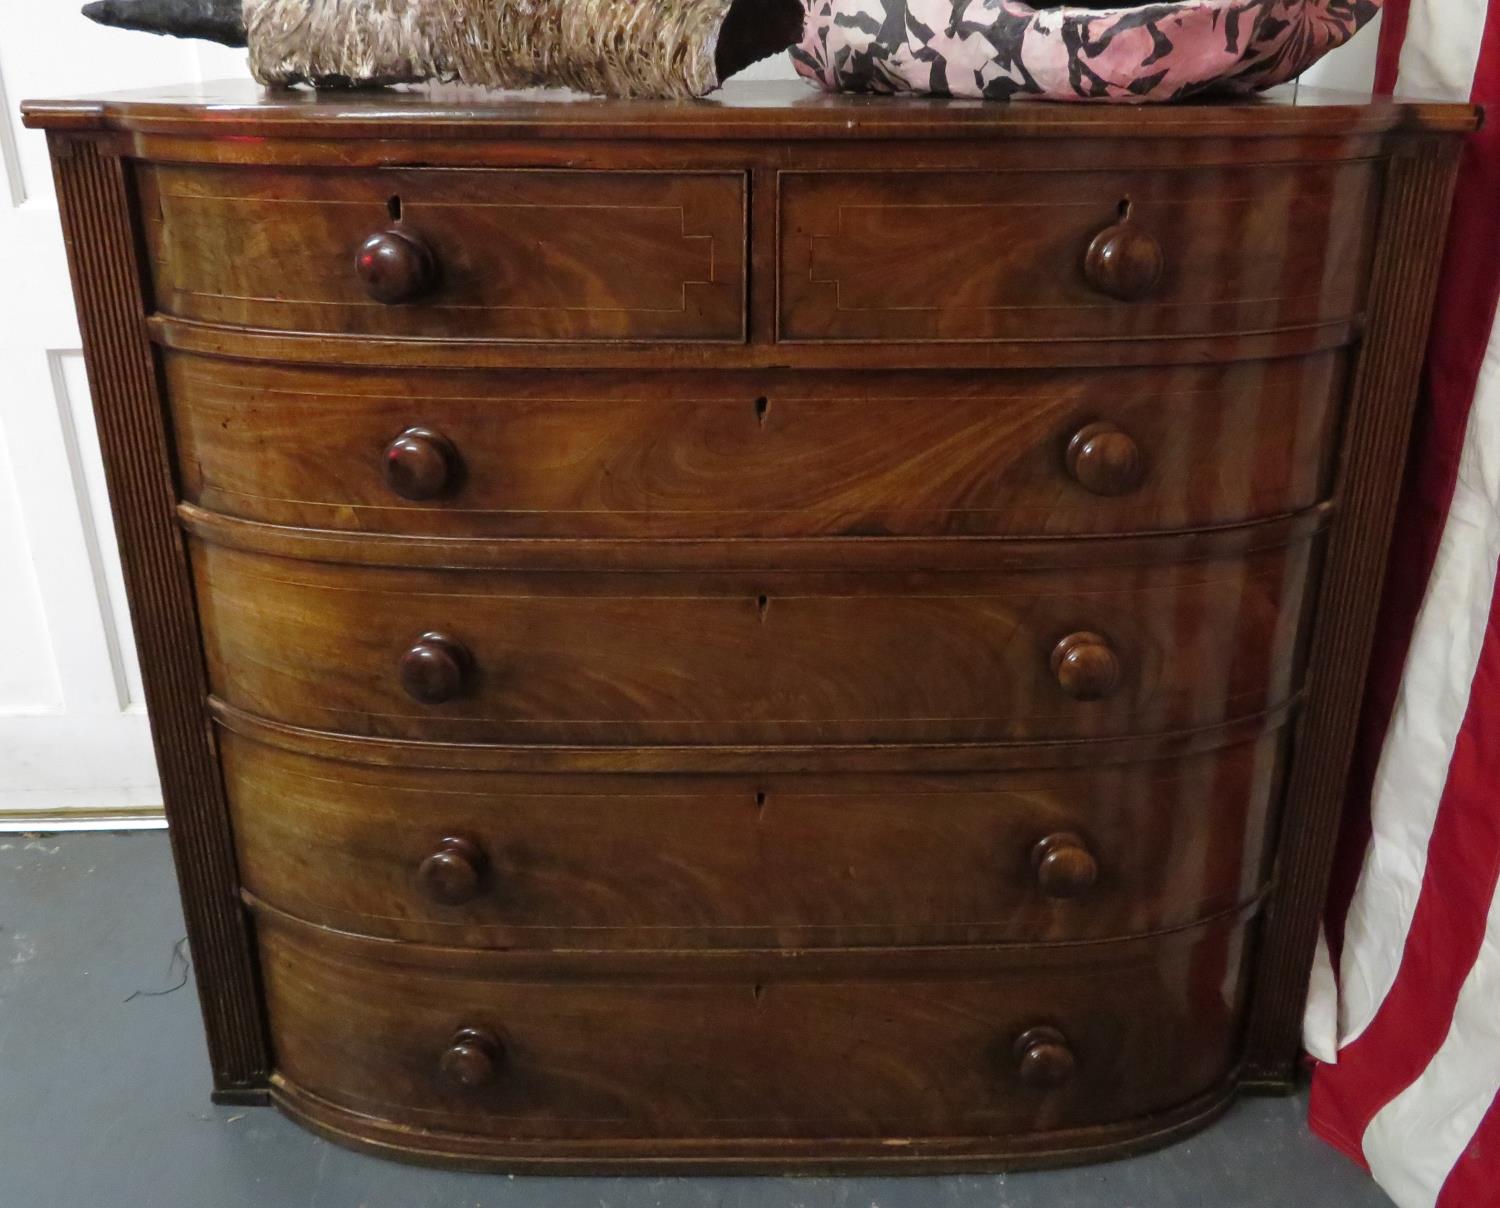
1061 651
484 859
515 255
912 1043
984 255
778 633
757 454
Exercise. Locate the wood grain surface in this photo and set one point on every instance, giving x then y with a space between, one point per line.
759 455
656 861
94 198
516 255
899 1042
995 255
745 657
785 633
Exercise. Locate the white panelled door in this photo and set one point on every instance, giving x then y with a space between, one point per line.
72 724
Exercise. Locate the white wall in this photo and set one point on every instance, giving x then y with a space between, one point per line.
74 748
1350 67
72 726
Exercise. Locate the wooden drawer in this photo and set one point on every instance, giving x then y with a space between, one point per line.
469 859
691 656
758 455
909 1043
995 255
494 254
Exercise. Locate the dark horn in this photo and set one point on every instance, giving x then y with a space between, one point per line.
212 20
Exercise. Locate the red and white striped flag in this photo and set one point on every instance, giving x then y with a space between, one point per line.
1404 1016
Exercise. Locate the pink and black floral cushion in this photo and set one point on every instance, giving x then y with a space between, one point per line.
1004 49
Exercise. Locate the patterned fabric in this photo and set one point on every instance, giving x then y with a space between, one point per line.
1003 49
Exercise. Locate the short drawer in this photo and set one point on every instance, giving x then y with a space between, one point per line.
451 254
908 1043
469 859
767 454
697 656
996 255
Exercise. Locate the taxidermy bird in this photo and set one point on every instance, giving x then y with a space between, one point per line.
617 47
996 49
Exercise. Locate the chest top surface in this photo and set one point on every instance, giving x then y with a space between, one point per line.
749 110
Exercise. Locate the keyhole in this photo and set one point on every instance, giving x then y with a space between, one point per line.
760 800
763 604
393 208
762 409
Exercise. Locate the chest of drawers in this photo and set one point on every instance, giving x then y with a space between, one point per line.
780 633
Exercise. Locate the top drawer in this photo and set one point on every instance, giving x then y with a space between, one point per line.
993 255
495 254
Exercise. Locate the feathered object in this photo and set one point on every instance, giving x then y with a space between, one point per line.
998 49
677 48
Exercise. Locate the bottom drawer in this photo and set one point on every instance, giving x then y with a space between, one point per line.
472 1047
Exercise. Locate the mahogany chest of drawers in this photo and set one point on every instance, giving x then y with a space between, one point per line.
778 633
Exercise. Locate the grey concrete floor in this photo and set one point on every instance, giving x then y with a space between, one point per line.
104 1102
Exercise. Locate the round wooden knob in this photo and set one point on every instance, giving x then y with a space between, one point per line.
1064 866
1044 1058
1104 460
472 1059
420 464
435 669
1085 666
395 266
1124 262
451 875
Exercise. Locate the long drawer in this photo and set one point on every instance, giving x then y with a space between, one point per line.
699 656
451 254
1002 255
899 1043
767 454
468 859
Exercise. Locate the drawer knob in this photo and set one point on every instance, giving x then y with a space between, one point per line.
435 669
1124 261
1064 866
395 266
472 1059
420 464
1044 1059
1085 666
1104 460
451 875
